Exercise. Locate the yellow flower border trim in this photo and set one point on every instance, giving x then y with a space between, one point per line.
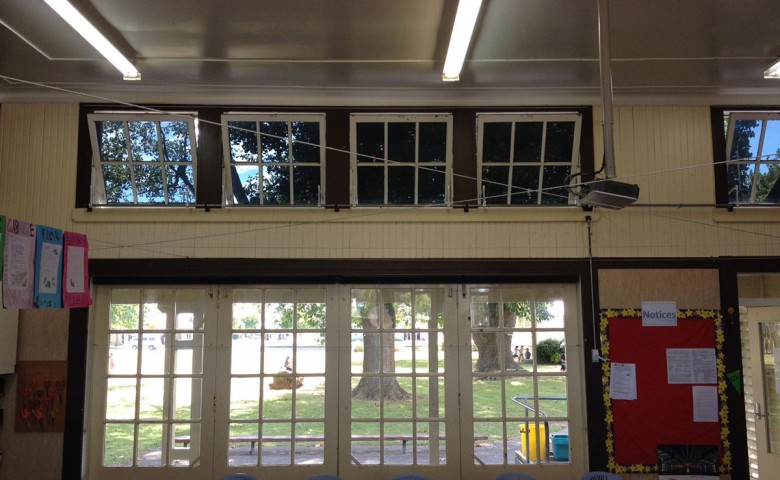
605 316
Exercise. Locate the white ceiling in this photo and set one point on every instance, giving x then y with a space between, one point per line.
391 52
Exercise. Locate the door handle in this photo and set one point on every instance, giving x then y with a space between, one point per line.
757 411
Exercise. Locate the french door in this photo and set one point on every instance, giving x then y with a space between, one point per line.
289 381
764 338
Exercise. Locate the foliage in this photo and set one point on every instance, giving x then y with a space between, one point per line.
124 316
169 179
277 146
549 350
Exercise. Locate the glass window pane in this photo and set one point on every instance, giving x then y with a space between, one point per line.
400 185
274 142
528 142
496 142
143 141
364 444
245 181
767 187
152 394
371 185
124 310
181 183
494 181
432 185
245 354
306 142
276 447
276 185
432 142
306 185
554 177
243 141
309 447
745 137
525 185
117 184
244 398
120 398
176 141
560 141
150 441
370 141
741 182
241 450
553 396
401 141
118 445
149 183
188 356
112 141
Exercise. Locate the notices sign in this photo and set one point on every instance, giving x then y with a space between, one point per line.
659 314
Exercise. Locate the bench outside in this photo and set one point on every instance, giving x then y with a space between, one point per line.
253 440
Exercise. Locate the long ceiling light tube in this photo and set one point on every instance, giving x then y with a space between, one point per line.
91 34
774 70
462 30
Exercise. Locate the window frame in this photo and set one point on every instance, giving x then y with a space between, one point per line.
756 162
260 117
97 195
386 163
575 164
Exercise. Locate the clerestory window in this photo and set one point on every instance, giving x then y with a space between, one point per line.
143 159
401 159
526 159
753 157
274 159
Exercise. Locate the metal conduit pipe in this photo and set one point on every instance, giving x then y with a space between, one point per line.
606 89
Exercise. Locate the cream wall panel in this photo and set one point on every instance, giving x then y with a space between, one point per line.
665 149
38 162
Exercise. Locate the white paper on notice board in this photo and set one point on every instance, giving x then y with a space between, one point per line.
659 314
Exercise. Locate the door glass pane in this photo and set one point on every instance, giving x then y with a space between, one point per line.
397 385
520 384
155 377
770 333
278 376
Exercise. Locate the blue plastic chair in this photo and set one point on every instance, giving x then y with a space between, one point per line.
600 476
514 476
238 476
325 477
410 476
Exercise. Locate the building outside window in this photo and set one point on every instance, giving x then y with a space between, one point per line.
274 159
753 157
143 159
526 159
401 159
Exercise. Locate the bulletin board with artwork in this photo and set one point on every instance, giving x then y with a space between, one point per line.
41 389
664 410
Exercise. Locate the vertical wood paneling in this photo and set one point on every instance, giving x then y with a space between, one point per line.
665 149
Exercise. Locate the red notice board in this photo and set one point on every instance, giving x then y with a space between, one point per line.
662 414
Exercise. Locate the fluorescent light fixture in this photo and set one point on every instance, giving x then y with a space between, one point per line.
465 18
95 38
774 70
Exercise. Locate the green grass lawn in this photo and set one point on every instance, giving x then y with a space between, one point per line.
489 419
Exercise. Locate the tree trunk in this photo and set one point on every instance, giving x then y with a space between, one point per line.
489 343
379 351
